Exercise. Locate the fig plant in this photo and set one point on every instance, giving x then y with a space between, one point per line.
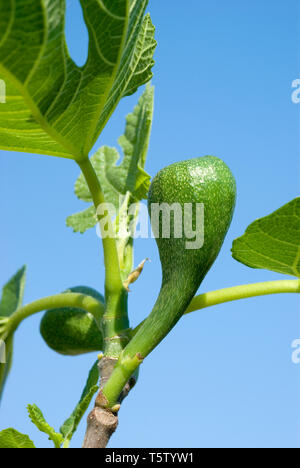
54 107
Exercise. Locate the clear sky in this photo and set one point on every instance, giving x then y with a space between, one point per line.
224 376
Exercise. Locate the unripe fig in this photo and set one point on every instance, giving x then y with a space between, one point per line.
205 181
72 331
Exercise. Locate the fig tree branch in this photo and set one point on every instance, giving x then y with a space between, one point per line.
101 422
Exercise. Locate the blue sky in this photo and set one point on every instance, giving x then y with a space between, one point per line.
224 376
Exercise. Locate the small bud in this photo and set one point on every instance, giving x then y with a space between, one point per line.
134 275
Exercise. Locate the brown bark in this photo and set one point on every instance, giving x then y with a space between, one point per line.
101 426
102 422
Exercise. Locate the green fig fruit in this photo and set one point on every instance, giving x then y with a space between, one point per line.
72 331
204 190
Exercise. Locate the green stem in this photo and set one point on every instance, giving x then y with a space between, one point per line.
243 292
66 444
115 322
236 293
127 364
115 325
81 301
113 281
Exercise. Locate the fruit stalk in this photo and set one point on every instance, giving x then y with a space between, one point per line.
173 300
87 303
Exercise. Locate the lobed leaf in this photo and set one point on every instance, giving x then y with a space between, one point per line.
53 106
39 421
10 438
273 242
84 220
129 177
142 60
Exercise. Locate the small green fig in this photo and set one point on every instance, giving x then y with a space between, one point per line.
72 331
204 190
